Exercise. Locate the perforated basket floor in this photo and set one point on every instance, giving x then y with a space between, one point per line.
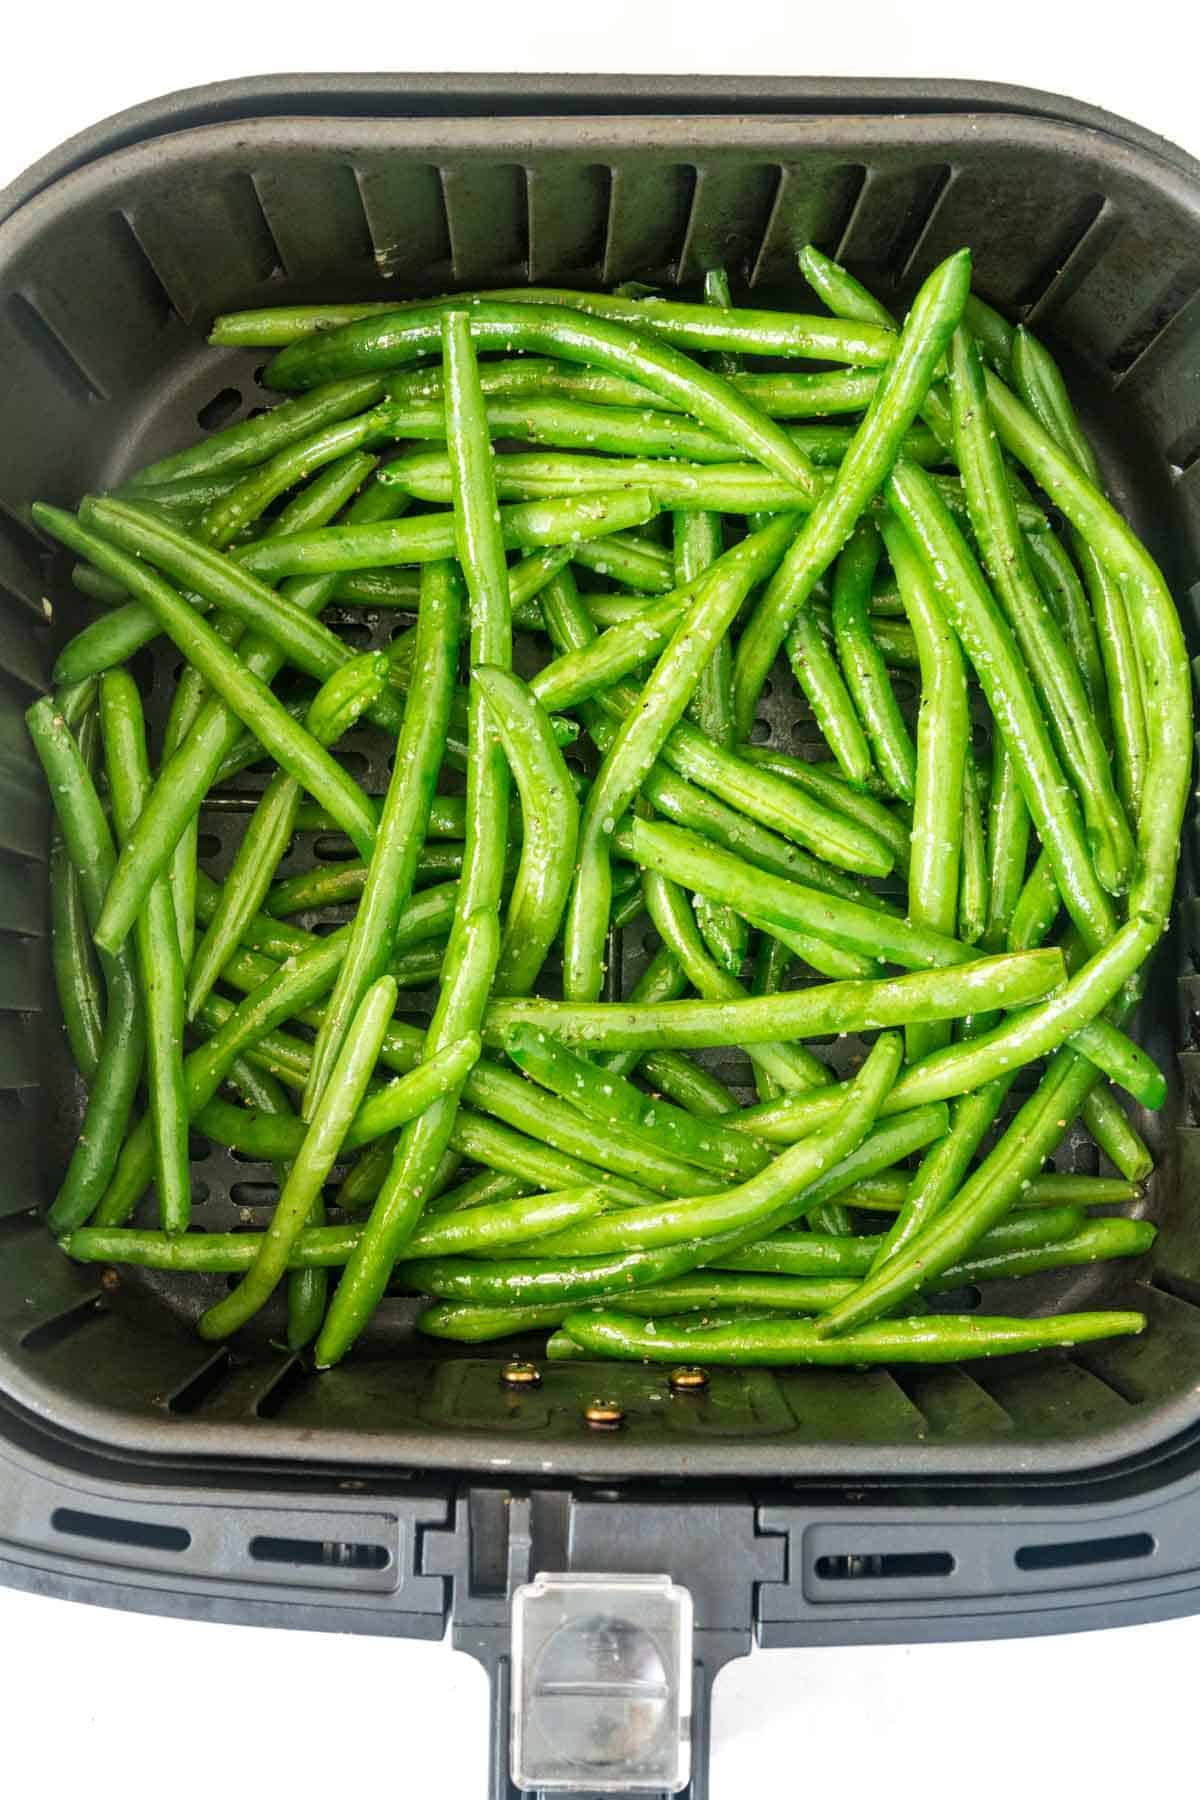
107 281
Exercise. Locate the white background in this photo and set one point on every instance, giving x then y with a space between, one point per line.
106 1703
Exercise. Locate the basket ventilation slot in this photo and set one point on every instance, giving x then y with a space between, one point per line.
46 344
1084 1551
856 1565
105 1530
318 1553
1182 288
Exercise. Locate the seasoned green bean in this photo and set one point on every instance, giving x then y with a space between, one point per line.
863 666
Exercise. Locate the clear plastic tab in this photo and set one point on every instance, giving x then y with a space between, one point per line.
602 1684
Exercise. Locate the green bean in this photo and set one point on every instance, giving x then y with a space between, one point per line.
76 980
944 1167
782 1343
961 591
1116 1137
790 1065
835 1006
242 691
1097 1240
1055 673
820 680
808 1255
863 666
512 1153
983 1198
772 966
885 1192
532 475
252 441
533 525
342 698
775 902
943 732
820 784
780 396
392 867
603 1095
550 814
88 843
698 544
1007 849
333 884
1059 581
330 1246
960 1068
160 966
639 738
627 559
230 514
314 1160
623 430
1158 638
294 986
307 1289
1036 907
759 1197
973 888
478 1190
902 389
570 334
474 949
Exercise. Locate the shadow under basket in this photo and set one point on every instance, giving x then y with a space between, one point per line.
114 255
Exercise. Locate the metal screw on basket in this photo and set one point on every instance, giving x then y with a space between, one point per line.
688 1380
604 1415
521 1374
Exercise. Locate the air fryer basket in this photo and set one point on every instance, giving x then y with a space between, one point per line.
109 277
408 1487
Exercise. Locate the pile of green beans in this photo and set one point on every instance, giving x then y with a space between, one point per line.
623 533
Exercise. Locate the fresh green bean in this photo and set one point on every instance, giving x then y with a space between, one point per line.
76 979
603 1095
755 333
943 733
1037 906
160 965
989 643
570 334
251 441
631 560
790 1065
902 389
885 1192
1116 1137
1007 849
973 888
863 666
341 699
392 867
88 843
758 1198
836 1006
1055 673
550 814
1158 638
809 1254
772 966
1062 588
474 950
314 1160
643 732
781 1342
820 680
242 691
774 901
329 1246
821 784
478 1190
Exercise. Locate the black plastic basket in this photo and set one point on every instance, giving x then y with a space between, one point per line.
409 1486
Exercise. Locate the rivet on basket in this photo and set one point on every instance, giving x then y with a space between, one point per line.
521 1374
688 1380
604 1415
